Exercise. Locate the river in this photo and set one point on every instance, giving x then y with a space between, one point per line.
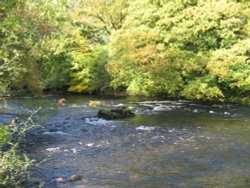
168 144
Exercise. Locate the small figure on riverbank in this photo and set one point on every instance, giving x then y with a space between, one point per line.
13 122
61 102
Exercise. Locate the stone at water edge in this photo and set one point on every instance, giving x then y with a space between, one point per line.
75 178
13 122
118 113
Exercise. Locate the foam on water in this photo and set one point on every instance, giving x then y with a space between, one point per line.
97 121
145 128
97 144
145 112
171 130
89 145
195 110
74 150
60 149
118 105
78 106
162 108
155 102
211 112
52 150
54 133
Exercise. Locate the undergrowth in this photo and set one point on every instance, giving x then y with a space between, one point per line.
14 162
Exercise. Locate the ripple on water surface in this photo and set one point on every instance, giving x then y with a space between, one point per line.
167 144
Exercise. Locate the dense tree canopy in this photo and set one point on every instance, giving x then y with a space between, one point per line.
193 49
196 49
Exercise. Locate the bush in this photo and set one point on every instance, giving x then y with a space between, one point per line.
88 71
5 135
192 49
14 163
14 168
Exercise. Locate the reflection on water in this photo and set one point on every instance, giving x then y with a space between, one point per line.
167 144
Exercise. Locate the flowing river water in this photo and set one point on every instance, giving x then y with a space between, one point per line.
168 144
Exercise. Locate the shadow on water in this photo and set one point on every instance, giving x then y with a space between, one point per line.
167 143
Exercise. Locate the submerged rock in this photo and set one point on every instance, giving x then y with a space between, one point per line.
118 113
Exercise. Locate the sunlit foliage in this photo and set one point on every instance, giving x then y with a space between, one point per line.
88 71
194 49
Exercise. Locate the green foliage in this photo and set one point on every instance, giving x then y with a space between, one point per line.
22 27
13 162
5 135
55 61
101 16
14 168
95 104
9 53
203 89
88 70
195 49
232 67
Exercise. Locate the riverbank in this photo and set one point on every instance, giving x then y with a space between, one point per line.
108 94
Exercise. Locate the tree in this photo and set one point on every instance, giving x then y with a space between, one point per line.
173 48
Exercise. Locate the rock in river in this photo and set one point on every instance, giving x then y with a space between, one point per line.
60 180
75 178
118 113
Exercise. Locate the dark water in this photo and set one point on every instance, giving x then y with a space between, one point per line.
167 144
